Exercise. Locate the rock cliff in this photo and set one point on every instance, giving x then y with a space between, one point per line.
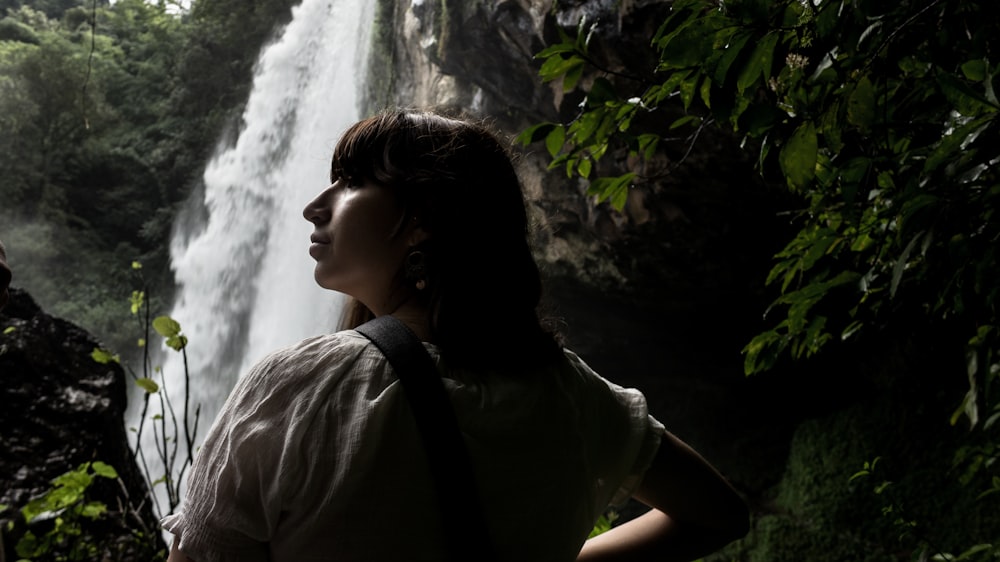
59 409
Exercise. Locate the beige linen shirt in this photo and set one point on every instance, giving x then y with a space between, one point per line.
315 457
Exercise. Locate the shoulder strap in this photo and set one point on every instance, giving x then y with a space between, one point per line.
450 464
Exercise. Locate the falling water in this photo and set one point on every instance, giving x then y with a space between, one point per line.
241 261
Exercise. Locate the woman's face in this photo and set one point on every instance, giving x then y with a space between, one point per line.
360 239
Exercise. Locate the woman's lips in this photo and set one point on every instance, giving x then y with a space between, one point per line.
317 245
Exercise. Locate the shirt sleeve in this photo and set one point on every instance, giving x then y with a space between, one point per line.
627 437
236 489
644 436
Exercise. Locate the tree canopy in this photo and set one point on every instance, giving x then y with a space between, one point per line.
108 113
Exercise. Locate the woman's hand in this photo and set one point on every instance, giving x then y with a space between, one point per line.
695 512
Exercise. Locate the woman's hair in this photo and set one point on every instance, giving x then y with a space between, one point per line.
482 283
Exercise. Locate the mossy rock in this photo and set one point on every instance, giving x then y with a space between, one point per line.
912 499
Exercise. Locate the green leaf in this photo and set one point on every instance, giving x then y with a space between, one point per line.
135 302
147 384
9 330
688 89
762 351
601 92
798 157
613 189
859 474
104 469
949 148
759 64
850 330
136 265
535 133
900 265
555 139
103 356
555 49
647 144
93 510
758 119
586 125
705 92
620 197
861 104
572 77
963 98
691 44
603 523
975 70
732 50
556 67
177 342
166 326
583 168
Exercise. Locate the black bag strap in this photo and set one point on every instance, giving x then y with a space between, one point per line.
450 464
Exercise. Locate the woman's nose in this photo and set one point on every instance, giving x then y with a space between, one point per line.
317 211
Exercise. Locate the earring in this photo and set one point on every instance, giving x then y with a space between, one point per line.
415 270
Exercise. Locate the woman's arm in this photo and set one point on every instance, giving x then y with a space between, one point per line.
695 512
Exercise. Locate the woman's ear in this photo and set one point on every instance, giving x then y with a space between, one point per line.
416 233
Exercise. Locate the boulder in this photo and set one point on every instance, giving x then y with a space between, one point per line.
59 409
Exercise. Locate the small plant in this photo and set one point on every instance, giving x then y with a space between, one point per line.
910 531
604 523
170 430
63 509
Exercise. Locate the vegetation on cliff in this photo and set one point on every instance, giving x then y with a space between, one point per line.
882 121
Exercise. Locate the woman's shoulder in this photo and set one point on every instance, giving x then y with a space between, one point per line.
590 380
321 348
326 356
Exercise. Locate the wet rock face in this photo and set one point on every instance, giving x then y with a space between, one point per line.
684 227
59 409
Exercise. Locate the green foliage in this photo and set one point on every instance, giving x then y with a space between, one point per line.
604 523
66 505
13 30
108 114
173 433
171 330
909 529
882 118
886 131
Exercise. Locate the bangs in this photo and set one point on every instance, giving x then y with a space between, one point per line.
352 157
362 151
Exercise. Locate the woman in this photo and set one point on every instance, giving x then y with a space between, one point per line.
315 457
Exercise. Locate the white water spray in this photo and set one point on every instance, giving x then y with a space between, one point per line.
241 261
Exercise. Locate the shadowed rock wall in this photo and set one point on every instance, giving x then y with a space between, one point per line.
59 409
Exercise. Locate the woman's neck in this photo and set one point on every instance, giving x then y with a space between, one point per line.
416 317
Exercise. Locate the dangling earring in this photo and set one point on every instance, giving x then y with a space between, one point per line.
415 270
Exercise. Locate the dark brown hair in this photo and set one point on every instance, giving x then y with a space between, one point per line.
483 285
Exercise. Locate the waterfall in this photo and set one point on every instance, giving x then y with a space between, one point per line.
244 275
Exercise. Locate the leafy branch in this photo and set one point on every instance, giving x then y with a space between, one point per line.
169 429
